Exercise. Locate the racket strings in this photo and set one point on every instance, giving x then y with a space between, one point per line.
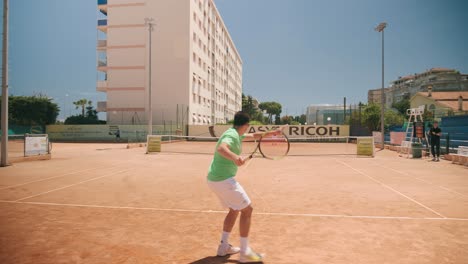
274 146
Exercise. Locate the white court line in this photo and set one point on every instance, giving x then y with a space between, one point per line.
417 178
105 175
224 212
390 188
58 176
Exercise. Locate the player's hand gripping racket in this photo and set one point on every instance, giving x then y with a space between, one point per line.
272 145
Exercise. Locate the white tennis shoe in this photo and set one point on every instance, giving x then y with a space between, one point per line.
226 249
250 256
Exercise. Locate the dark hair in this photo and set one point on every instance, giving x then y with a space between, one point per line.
240 119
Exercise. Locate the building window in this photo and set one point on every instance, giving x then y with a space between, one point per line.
194 17
194 57
194 36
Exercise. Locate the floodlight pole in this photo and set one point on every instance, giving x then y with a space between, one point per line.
4 125
380 28
149 23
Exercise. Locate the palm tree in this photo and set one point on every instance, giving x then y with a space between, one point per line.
81 103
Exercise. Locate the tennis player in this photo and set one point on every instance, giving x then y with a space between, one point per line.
221 181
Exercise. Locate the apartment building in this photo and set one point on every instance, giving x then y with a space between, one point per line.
439 79
196 70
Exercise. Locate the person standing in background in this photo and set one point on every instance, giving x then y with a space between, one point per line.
435 134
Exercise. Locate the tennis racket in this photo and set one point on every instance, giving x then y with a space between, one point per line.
272 146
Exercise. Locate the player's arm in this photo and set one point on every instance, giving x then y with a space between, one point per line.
258 135
224 150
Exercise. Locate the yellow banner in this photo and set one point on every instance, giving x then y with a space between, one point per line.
153 144
365 146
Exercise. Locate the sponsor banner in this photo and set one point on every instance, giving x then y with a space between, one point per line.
397 137
153 144
293 131
37 145
90 133
365 146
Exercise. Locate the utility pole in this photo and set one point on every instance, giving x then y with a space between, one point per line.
380 28
150 24
4 150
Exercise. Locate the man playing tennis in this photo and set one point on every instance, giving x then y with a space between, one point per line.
221 181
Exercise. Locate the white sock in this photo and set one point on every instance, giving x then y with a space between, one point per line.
225 237
244 244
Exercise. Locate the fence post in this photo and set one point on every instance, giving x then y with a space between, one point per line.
447 143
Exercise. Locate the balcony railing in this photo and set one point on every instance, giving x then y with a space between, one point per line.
102 106
102 22
102 43
101 86
102 63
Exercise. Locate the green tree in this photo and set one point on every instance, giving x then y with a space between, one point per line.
301 119
371 116
271 108
89 117
247 105
90 111
81 104
402 106
393 118
286 120
32 110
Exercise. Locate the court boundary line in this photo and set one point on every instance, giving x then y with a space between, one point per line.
71 185
58 176
390 188
176 210
417 178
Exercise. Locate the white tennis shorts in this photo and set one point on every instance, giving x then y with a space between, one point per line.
230 193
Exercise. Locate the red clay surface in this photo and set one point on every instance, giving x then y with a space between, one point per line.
103 203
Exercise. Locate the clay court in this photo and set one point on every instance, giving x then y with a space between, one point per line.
104 203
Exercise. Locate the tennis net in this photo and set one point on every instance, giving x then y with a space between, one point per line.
299 146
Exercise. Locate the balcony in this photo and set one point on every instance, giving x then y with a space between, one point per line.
102 65
102 44
101 86
102 106
102 6
102 25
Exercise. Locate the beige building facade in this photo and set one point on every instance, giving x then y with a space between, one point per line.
196 70
442 103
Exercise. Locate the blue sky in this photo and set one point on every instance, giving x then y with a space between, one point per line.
296 52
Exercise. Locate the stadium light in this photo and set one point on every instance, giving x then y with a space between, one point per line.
380 28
